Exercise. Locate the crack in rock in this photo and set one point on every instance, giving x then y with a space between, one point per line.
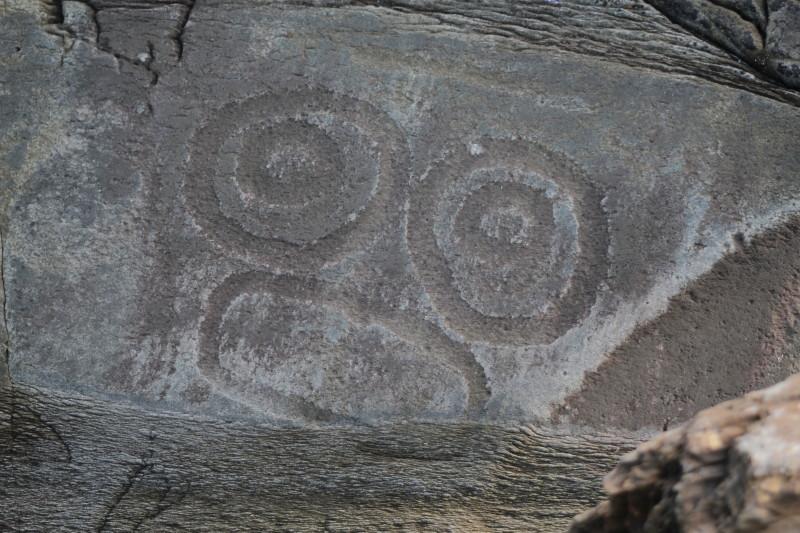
5 342
116 29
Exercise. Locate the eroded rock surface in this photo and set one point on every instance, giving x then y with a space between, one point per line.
762 32
338 213
732 468
699 351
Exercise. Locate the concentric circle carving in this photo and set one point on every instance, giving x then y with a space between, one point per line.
510 241
295 178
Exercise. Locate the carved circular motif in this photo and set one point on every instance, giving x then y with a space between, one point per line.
295 178
510 241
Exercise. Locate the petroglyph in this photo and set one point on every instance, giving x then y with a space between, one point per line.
510 240
429 216
299 177
313 265
275 343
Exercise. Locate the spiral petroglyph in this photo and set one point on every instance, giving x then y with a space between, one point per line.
295 178
277 344
510 241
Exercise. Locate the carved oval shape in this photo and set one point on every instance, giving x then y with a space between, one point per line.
271 343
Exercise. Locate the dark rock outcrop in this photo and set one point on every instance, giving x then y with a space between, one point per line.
762 33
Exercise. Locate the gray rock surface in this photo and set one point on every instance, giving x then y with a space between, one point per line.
732 329
338 213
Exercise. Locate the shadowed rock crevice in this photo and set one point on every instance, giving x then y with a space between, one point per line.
145 34
148 491
731 331
183 21
5 346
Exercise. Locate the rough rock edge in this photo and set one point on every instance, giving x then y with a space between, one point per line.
740 30
734 467
672 46
54 17
4 339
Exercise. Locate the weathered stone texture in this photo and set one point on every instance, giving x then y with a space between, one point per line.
72 463
733 468
311 265
340 213
762 32
732 329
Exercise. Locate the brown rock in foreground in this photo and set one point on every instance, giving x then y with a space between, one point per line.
733 468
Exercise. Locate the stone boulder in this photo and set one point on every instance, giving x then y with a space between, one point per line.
733 468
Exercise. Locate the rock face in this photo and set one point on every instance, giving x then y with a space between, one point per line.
688 358
732 468
761 32
381 265
338 213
